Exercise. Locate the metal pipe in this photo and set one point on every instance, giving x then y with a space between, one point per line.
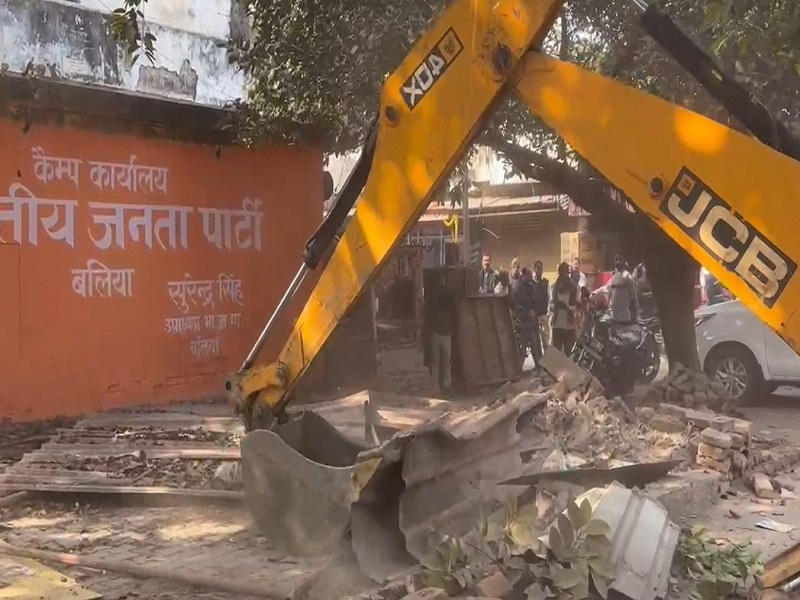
792 586
287 296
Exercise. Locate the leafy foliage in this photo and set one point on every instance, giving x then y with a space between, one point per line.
128 26
321 63
719 568
574 559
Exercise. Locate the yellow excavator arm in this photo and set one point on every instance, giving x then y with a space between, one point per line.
723 196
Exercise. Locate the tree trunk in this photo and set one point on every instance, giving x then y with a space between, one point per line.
672 274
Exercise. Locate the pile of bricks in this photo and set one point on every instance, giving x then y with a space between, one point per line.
717 442
689 389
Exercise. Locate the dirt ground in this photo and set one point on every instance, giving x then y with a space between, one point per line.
208 541
219 541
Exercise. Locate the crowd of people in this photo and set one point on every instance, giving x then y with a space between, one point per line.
548 313
544 313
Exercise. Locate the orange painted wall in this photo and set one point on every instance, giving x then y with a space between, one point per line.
67 350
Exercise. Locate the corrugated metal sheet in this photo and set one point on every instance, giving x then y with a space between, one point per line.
435 479
643 540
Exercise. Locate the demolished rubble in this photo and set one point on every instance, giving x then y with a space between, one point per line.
599 431
686 388
137 469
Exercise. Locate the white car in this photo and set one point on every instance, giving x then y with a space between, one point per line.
742 353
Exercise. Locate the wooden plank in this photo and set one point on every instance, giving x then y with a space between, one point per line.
58 451
44 470
124 490
77 478
133 445
163 421
506 341
467 336
490 350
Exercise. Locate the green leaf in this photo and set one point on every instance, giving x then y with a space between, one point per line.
566 530
586 512
555 543
597 527
566 579
522 534
536 591
602 567
574 514
581 591
601 585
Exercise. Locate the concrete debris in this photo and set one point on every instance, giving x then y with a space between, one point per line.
666 424
565 372
762 486
228 476
598 430
716 438
689 389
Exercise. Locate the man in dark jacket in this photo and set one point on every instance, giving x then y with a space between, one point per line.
523 305
440 332
541 301
488 279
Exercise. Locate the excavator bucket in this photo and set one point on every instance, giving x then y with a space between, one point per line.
297 483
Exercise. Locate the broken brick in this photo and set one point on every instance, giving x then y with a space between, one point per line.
701 419
762 486
724 424
645 412
721 466
737 441
672 410
740 462
742 427
714 452
666 424
716 438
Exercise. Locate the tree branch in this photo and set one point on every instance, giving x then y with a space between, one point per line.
590 195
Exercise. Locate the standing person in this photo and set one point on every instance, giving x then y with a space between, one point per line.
488 276
514 272
541 301
440 328
578 277
624 310
623 301
644 294
524 302
503 282
564 306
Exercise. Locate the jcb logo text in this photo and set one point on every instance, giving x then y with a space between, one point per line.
431 69
710 221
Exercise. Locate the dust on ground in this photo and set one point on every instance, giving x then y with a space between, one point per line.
206 541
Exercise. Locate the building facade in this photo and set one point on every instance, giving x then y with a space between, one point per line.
68 40
139 258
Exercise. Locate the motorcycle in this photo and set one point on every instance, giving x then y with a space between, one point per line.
648 351
605 348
